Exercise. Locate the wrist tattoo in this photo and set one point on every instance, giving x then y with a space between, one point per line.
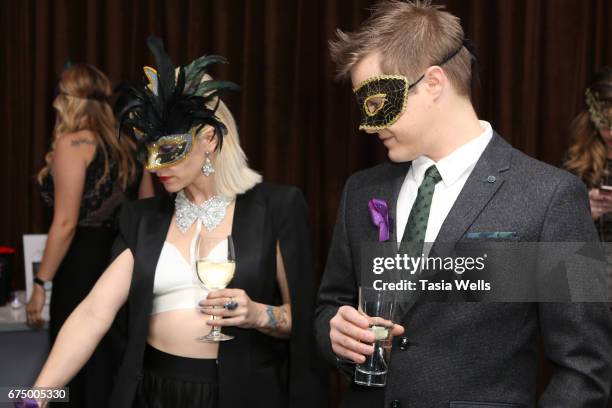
276 316
272 322
78 142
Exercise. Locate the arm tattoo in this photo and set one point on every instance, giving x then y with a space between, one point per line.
276 316
78 142
272 322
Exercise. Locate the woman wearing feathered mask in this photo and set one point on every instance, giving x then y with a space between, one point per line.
188 138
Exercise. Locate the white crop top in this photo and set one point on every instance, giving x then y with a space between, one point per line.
175 286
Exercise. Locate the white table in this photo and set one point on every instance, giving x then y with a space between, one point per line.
15 319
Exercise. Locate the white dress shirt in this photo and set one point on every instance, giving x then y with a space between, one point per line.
454 169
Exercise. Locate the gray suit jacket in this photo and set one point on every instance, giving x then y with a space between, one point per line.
479 354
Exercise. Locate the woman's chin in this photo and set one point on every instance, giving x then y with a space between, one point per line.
172 187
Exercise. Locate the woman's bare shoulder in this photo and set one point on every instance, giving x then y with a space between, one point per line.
75 145
80 138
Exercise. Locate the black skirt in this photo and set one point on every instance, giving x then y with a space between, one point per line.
171 381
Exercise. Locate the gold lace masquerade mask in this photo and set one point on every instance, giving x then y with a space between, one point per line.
382 99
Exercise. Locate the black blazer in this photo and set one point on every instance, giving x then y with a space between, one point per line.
255 370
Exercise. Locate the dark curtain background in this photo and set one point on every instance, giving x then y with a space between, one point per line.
297 125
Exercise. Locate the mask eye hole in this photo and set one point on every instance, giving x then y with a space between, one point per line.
167 148
374 103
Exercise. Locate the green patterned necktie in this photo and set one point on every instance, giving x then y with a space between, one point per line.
419 214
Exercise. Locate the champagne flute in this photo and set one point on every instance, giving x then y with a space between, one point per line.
378 306
215 266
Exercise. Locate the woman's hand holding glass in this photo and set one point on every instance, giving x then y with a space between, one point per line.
244 313
600 202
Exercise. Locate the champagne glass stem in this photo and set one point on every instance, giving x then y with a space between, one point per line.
215 330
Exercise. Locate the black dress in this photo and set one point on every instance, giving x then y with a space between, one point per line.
86 259
253 370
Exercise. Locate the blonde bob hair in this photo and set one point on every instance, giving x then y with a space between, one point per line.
232 173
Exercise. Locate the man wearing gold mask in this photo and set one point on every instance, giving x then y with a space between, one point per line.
450 179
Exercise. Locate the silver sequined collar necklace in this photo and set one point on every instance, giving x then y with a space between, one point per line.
210 212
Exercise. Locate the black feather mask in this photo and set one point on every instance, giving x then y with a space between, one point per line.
166 114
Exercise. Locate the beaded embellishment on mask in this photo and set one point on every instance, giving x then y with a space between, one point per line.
211 212
597 110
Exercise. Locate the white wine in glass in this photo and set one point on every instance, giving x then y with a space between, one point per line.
215 274
215 266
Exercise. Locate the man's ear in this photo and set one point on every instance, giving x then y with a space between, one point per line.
435 80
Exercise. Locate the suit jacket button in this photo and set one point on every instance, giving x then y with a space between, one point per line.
403 343
395 404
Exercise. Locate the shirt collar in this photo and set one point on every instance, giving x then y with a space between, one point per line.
456 164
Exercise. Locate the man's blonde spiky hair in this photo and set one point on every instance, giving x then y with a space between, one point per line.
410 36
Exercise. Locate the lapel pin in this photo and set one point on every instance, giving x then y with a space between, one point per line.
491 179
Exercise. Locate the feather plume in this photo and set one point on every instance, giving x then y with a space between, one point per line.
182 101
